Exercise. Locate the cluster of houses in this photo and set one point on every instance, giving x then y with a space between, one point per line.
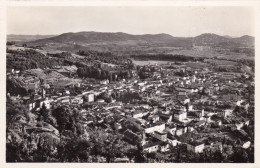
175 106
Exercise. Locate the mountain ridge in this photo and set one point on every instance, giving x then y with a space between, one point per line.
162 39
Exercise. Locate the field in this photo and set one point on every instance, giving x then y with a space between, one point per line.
221 62
150 62
54 77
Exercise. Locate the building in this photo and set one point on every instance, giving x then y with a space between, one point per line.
90 97
37 104
104 82
160 135
195 147
180 116
156 127
151 147
172 141
156 146
166 117
171 129
226 113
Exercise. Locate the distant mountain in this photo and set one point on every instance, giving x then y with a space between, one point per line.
13 37
121 40
227 36
246 40
209 39
83 38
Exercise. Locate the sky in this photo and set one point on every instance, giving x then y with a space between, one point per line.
176 21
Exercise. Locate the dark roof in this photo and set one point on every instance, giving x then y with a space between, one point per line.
160 133
195 143
131 135
160 143
171 137
200 122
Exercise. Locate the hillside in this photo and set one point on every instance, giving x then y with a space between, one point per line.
165 40
83 38
209 39
128 44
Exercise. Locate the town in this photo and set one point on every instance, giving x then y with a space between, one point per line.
121 109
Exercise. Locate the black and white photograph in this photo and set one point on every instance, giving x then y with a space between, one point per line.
130 84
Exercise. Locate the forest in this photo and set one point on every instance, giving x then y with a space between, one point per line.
166 57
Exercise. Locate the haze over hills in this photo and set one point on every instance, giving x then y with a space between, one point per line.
14 37
83 38
204 45
216 40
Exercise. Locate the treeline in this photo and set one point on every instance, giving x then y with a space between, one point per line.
248 62
60 55
105 57
9 43
166 57
14 88
100 73
30 59
118 70
91 66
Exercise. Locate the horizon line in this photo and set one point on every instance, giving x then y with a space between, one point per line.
129 34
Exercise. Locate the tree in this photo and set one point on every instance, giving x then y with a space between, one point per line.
63 117
240 156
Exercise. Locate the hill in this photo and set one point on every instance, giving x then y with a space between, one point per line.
165 40
83 38
128 44
209 39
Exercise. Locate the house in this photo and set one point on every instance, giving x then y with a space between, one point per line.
180 116
246 122
77 100
89 97
207 119
155 127
154 118
195 147
66 92
164 147
197 113
151 147
117 126
190 128
226 113
246 144
37 104
156 146
121 160
200 123
104 82
160 135
239 125
139 114
167 118
171 129
172 141
180 130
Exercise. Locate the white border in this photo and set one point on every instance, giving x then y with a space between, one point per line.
5 3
